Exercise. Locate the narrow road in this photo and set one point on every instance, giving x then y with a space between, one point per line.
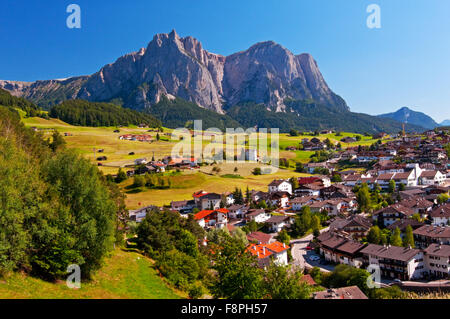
299 251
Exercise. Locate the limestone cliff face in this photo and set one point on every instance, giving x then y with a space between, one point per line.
173 66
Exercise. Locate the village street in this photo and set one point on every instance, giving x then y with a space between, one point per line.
299 253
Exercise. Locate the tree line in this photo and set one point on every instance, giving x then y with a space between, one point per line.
85 113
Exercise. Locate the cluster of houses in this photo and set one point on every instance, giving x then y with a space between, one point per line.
144 166
430 257
411 174
136 137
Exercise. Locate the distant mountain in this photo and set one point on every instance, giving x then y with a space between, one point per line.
445 123
406 115
311 116
178 70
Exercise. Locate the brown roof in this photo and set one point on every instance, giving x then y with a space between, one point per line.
303 199
428 174
277 219
277 182
331 240
255 212
399 176
352 292
396 208
441 211
403 223
416 202
438 250
433 231
259 237
353 177
350 247
387 176
391 252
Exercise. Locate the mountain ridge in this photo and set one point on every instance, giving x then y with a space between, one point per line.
265 73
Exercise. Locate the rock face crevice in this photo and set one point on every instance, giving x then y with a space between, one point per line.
173 66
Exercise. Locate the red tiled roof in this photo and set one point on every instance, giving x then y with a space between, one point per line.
200 194
265 250
202 214
308 279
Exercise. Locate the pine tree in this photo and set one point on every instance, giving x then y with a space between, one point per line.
396 239
374 235
409 238
363 198
294 182
247 195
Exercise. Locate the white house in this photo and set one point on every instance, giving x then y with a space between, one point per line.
280 185
237 211
217 218
277 223
265 253
402 263
441 215
437 260
140 161
432 178
139 214
298 202
280 199
257 215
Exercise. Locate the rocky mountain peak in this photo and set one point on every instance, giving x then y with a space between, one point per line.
265 73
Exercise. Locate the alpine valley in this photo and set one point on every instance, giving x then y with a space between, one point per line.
177 81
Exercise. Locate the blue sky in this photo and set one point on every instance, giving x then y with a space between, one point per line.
405 63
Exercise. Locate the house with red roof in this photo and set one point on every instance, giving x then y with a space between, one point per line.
265 253
205 200
212 218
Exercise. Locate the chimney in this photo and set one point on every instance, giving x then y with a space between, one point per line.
284 245
264 250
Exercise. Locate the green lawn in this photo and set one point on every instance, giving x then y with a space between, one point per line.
125 275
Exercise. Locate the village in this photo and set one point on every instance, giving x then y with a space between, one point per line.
389 208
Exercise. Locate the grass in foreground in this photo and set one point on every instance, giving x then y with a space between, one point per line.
125 275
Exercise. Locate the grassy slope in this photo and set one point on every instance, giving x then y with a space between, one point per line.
126 274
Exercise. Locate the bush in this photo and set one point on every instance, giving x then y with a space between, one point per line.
196 291
256 171
179 268
139 181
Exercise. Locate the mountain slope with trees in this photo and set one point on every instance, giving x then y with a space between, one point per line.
85 113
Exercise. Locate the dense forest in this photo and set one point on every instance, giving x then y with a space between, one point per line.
85 113
56 208
6 99
181 113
